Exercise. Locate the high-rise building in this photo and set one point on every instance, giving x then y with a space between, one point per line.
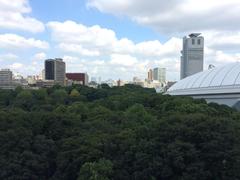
159 74
6 77
150 75
192 55
49 69
55 69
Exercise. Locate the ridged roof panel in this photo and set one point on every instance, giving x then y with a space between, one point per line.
229 80
228 75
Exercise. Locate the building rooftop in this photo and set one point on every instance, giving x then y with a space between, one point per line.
194 34
56 59
5 70
219 80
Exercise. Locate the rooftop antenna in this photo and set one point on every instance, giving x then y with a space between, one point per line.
211 66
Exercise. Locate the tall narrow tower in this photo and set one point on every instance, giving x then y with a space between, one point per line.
192 55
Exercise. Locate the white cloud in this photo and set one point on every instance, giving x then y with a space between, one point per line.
75 48
71 32
13 41
16 66
100 52
155 48
8 57
217 20
125 60
119 58
226 41
88 51
219 58
40 56
13 15
174 15
70 59
96 41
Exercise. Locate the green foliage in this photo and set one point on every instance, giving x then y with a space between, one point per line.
120 133
101 170
24 100
74 93
59 96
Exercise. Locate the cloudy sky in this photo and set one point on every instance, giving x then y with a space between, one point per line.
115 38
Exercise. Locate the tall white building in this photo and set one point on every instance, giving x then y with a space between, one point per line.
192 55
159 74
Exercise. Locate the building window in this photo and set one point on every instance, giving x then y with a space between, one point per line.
193 41
199 41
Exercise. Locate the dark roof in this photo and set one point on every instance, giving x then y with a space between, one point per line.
76 76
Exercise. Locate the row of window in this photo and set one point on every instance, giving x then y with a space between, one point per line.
198 41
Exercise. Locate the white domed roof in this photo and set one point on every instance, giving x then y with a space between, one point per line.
224 79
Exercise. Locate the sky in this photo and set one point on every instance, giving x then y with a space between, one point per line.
116 39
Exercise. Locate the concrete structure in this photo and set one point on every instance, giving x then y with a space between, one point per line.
19 80
159 74
150 75
43 75
220 85
169 85
192 55
6 79
55 69
45 83
78 78
31 80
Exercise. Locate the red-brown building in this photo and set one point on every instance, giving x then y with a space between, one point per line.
78 78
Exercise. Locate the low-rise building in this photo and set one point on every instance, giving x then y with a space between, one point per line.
77 78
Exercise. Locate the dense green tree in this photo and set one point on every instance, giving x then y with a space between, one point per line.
120 133
101 170
24 100
59 96
74 93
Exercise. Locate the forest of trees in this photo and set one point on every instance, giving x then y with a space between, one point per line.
120 133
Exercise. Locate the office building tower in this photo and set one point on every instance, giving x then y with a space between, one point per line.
150 75
55 70
159 74
49 69
192 55
6 77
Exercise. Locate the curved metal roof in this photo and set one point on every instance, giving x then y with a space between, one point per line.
224 79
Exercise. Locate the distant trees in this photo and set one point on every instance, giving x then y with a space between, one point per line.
115 133
101 170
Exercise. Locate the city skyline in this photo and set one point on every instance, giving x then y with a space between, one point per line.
114 39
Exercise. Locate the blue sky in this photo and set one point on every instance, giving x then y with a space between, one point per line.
115 39
76 10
